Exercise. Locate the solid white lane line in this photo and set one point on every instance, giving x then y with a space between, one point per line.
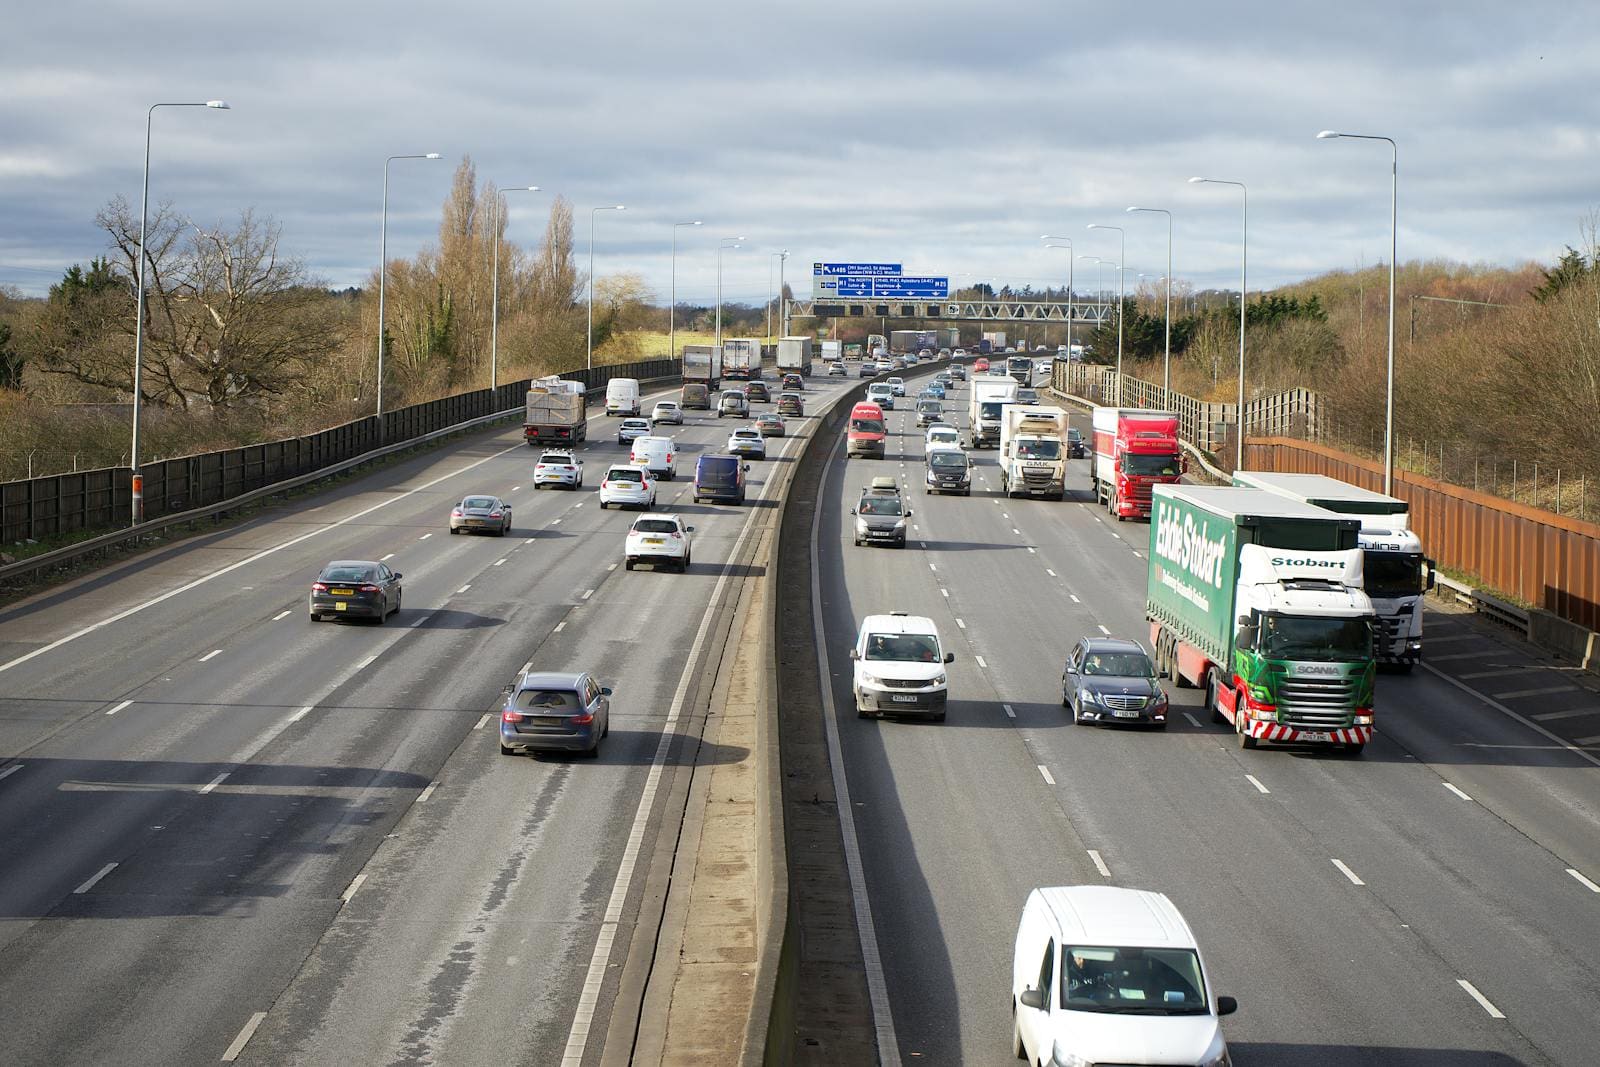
1546 691
1103 629
1348 873
961 624
1574 713
1074 597
9 771
1454 789
1010 713
424 537
1570 746
562 625
302 713
1587 884
611 568
244 1037
464 588
355 884
209 655
119 707
1501 673
101 873
364 664
1050 572
587 593
1483 1001
280 615
1192 720
1044 772
499 561
931 567
386 559
422 798
981 663
944 592
481 720
1099 864
1257 783
209 786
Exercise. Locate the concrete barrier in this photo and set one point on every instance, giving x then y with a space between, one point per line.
1566 639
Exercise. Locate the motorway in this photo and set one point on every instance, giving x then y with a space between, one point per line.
227 834
1430 903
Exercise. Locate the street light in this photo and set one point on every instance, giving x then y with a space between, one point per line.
1122 255
1394 200
1166 367
589 333
138 307
672 312
1071 262
781 257
494 299
726 242
383 271
1244 258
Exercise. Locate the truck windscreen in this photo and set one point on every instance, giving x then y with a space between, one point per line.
1309 638
990 409
1391 574
1038 449
1166 466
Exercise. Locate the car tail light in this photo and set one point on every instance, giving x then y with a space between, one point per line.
676 536
494 514
319 587
455 513
368 588
510 716
583 718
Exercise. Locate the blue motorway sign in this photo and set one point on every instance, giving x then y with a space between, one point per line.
911 288
839 270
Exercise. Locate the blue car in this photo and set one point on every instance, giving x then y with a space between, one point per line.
935 390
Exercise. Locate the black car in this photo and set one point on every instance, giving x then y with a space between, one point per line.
355 588
1108 679
1077 448
757 393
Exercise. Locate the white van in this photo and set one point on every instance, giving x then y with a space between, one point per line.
1102 974
622 396
899 663
658 455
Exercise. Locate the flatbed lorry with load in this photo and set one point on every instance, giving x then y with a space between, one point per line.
1394 570
1033 451
555 414
1257 599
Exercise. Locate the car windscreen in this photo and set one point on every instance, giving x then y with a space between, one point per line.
623 474
346 574
548 701
929 405
1132 981
866 425
949 460
717 471
478 503
655 526
1118 664
880 505
903 648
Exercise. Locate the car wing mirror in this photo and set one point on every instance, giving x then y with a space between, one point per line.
506 691
1227 1005
949 657
398 576
855 653
1033 998
605 690
689 528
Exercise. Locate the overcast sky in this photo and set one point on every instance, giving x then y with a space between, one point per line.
939 135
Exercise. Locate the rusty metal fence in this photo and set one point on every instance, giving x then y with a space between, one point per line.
102 499
1548 561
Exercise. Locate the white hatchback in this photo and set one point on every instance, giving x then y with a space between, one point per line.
658 455
658 539
627 486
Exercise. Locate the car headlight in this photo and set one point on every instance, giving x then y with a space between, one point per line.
861 525
1088 696
900 524
867 679
938 679
1217 1058
1060 1057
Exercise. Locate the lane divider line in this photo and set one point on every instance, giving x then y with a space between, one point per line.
244 1037
9 771
218 780
961 623
981 663
1010 712
386 559
101 873
1192 720
499 561
944 592
1103 629
1099 864
1074 597
280 615
1586 883
422 798
1044 772
1457 791
1483 1001
424 537
214 652
355 884
562 625
481 720
1259 787
364 664
119 707
302 713
587 594
1348 873
1050 572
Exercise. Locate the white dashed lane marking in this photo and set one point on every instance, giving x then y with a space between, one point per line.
1483 1001
1457 791
119 707
1045 773
1348 873
1099 864
1254 780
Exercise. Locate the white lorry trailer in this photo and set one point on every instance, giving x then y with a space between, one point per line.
794 356
1033 451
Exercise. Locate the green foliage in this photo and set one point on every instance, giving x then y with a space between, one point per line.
78 284
1573 268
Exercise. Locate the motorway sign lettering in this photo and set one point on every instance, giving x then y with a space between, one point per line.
839 270
925 288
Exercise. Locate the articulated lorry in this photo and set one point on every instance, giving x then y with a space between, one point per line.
877 344
703 364
985 405
794 356
1257 599
1033 451
555 412
1135 450
741 359
904 342
1394 570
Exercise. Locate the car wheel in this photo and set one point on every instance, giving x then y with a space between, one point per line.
454 531
315 617
593 753
1212 704
1066 703
627 564
602 505
383 616
507 750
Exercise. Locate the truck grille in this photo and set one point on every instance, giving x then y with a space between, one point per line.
1316 703
1391 634
1038 476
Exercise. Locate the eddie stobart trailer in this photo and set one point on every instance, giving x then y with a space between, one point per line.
1257 599
1394 570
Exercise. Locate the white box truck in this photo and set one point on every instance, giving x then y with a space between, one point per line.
794 356
1033 451
988 396
832 351
741 359
703 364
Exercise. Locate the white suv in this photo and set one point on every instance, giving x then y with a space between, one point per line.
899 667
658 539
627 485
898 385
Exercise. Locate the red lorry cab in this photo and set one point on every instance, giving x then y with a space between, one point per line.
867 431
1134 452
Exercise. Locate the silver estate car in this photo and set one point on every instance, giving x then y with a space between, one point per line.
546 711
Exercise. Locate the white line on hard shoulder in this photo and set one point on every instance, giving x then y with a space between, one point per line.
1591 886
1348 873
1192 720
981 663
280 615
1456 790
209 655
9 771
1010 712
119 707
1255 781
386 559
101 873
302 713
209 786
1529 723
1483 1001
1103 629
587 593
1044 772
424 537
244 1037
422 798
961 624
355 884
1099 864
481 720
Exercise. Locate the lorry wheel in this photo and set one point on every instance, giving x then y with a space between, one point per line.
1245 740
1404 667
1352 750
1211 698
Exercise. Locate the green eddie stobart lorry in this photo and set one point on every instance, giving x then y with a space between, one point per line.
1257 599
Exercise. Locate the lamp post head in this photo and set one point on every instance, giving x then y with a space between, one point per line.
1196 180
220 105
696 222
621 208
1327 134
431 155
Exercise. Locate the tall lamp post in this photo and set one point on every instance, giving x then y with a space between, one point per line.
1166 365
1244 258
1122 254
1394 202
138 312
672 312
726 242
383 271
494 299
780 256
1071 262
589 332
783 301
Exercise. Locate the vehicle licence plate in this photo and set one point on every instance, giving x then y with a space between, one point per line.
342 592
1128 714
903 698
654 541
1313 735
474 522
339 605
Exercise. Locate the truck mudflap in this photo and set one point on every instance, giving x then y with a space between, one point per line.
1271 731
